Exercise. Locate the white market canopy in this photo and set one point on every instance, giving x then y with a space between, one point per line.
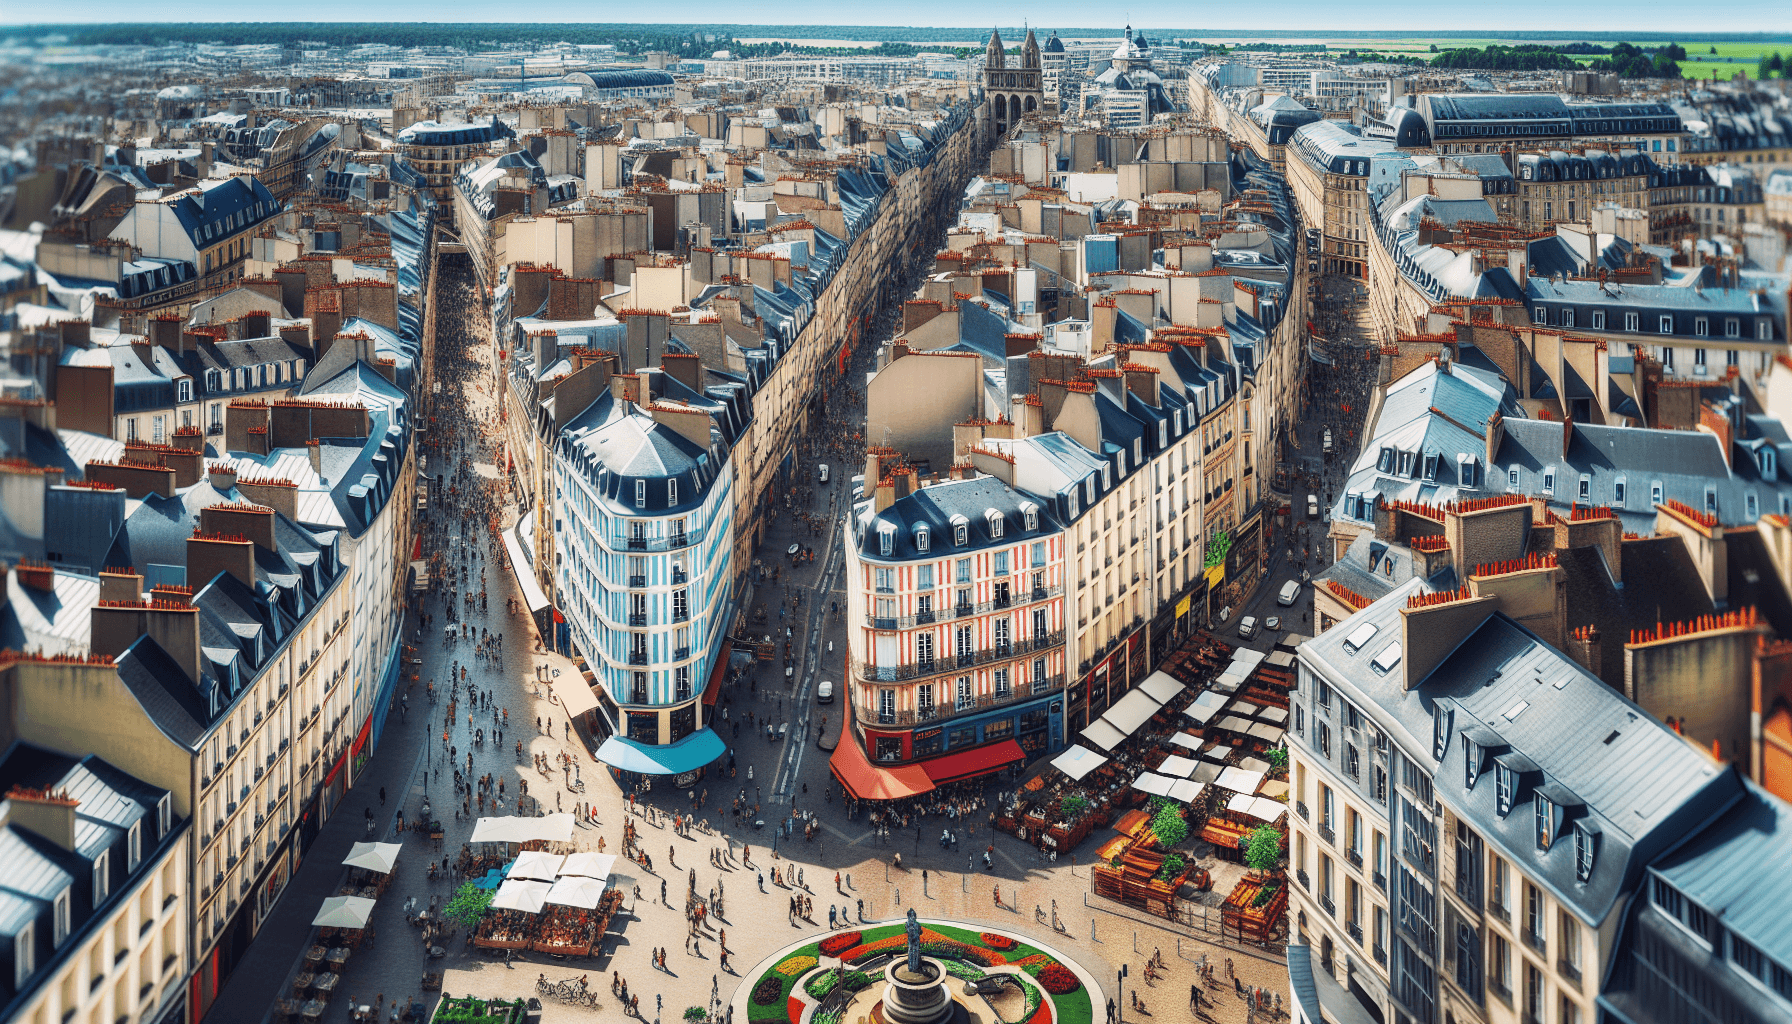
1206 706
344 912
1131 711
1162 687
1154 784
1261 808
1244 660
1177 765
576 696
1185 790
1103 735
576 891
376 857
1228 681
528 897
589 865
532 864
511 829
1078 761
1184 740
1239 781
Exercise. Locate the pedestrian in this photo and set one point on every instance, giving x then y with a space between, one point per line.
382 796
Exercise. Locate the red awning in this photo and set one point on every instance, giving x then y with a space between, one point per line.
867 781
968 763
714 688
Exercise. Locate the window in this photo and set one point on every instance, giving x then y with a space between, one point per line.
102 877
185 390
1568 314
1701 327
1499 964
1631 322
1586 486
1568 938
1655 492
134 845
1667 358
164 816
640 494
1549 480
1545 811
995 523
1667 325
671 493
964 698
924 577
885 580
921 544
1540 315
886 542
1000 558
1512 477
1599 319
1440 731
1711 499
1533 991
962 570
61 917
1732 327
1325 740
960 534
1618 492
1763 329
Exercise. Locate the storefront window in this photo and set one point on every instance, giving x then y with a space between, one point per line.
925 744
962 737
684 722
889 748
1001 728
1032 720
644 727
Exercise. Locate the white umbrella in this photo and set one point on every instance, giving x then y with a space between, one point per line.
534 864
576 891
589 865
344 912
527 897
376 857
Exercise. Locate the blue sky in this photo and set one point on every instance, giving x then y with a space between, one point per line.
1408 17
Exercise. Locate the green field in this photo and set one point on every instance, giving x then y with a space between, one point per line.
1743 55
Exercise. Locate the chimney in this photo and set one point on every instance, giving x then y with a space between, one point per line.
316 451
121 585
685 368
211 554
626 387
280 495
174 626
1142 381
885 494
257 324
222 476
165 331
50 814
256 522
38 576
1583 647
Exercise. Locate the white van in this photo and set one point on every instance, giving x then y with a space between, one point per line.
824 693
821 472
1312 506
1290 593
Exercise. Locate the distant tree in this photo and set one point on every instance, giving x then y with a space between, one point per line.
468 904
1433 47
1263 849
1714 49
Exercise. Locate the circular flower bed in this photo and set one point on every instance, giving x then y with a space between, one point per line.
796 965
768 990
1058 979
995 941
834 945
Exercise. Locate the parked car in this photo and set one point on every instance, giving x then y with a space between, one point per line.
1325 444
1247 626
1273 624
1312 506
821 471
1290 593
824 693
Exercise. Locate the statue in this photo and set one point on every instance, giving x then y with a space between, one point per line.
914 942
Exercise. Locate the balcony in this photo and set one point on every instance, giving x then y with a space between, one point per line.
1003 601
961 610
637 581
680 576
1300 875
1355 859
958 610
680 653
1300 808
1355 931
1569 972
1381 881
1381 955
681 615
637 618
920 669
678 540
1326 833
1325 904
637 657
937 712
1536 942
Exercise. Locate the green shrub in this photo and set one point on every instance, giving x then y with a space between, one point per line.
1263 849
468 904
696 1014
1169 827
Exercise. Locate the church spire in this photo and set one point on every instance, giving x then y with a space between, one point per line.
994 57
1029 51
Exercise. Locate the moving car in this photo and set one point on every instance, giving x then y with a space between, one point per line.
1290 593
1273 624
824 693
1247 626
1312 506
1326 444
821 470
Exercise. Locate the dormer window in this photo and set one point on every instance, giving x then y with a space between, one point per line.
1505 782
1107 476
994 519
1586 486
1468 470
1654 492
1431 461
922 540
640 494
102 877
1549 480
1770 462
886 539
961 531
1138 450
671 493
1586 849
134 845
60 919
1031 518
1618 492
1163 433
1548 818
1440 731
1406 463
1472 753
1384 461
1179 422
164 817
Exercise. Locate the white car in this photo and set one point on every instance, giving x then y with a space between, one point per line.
1290 593
1312 506
1326 442
824 693
1247 626
821 471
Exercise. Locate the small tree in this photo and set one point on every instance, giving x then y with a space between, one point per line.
468 904
696 1014
1073 805
1169 827
1278 757
1263 849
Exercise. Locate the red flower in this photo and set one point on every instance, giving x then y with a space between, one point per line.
834 945
994 941
1059 980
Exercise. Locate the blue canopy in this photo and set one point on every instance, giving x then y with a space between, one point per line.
688 754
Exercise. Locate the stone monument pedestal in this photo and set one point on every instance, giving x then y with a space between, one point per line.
917 997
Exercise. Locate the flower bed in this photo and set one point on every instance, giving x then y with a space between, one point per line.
768 992
471 1010
992 940
1059 980
796 965
834 945
826 982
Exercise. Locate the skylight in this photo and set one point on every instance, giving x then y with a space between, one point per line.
1517 709
1362 635
1387 659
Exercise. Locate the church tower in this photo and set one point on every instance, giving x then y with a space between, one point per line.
1010 93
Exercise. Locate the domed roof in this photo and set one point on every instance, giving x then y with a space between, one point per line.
1054 44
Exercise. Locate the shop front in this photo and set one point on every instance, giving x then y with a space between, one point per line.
683 763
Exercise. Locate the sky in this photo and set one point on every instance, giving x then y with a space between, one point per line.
1408 17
